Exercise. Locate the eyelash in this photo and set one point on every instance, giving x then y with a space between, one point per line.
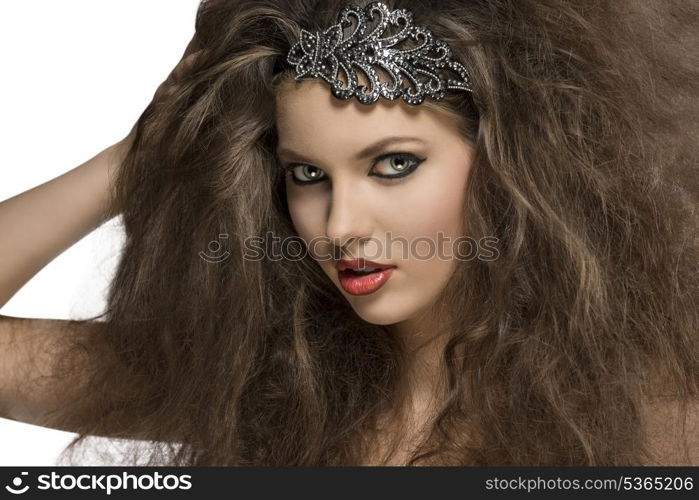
404 156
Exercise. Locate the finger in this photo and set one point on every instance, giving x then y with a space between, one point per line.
185 65
192 46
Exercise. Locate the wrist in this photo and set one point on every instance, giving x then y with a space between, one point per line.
110 162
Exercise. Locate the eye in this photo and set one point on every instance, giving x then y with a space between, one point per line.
391 165
305 174
397 165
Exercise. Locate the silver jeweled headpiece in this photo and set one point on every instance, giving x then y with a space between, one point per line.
324 53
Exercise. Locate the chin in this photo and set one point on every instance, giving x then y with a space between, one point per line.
378 312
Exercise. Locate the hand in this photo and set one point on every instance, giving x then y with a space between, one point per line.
190 55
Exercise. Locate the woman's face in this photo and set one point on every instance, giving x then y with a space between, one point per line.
339 149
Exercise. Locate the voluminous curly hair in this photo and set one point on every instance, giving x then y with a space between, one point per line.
583 120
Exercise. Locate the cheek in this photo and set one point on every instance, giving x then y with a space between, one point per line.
432 206
306 211
431 222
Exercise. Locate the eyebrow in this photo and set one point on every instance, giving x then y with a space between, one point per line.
371 150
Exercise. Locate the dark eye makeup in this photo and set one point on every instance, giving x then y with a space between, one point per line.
404 164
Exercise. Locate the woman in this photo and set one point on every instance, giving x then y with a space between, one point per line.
567 337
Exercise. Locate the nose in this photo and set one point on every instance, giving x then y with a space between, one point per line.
349 216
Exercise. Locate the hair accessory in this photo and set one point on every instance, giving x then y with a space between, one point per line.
325 53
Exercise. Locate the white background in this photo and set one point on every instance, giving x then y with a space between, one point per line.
76 75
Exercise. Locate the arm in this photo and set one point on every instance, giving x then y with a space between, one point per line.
36 226
28 345
39 224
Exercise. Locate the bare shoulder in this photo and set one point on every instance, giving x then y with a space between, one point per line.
30 355
672 430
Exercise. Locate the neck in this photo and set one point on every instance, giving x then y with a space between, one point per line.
421 392
423 339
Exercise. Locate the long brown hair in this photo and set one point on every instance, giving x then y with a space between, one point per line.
580 116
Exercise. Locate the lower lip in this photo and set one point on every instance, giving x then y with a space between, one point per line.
364 285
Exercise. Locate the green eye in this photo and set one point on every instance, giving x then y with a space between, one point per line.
306 174
401 164
398 165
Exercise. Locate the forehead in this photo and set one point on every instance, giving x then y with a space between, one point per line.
309 117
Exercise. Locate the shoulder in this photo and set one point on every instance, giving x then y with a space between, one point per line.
671 428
